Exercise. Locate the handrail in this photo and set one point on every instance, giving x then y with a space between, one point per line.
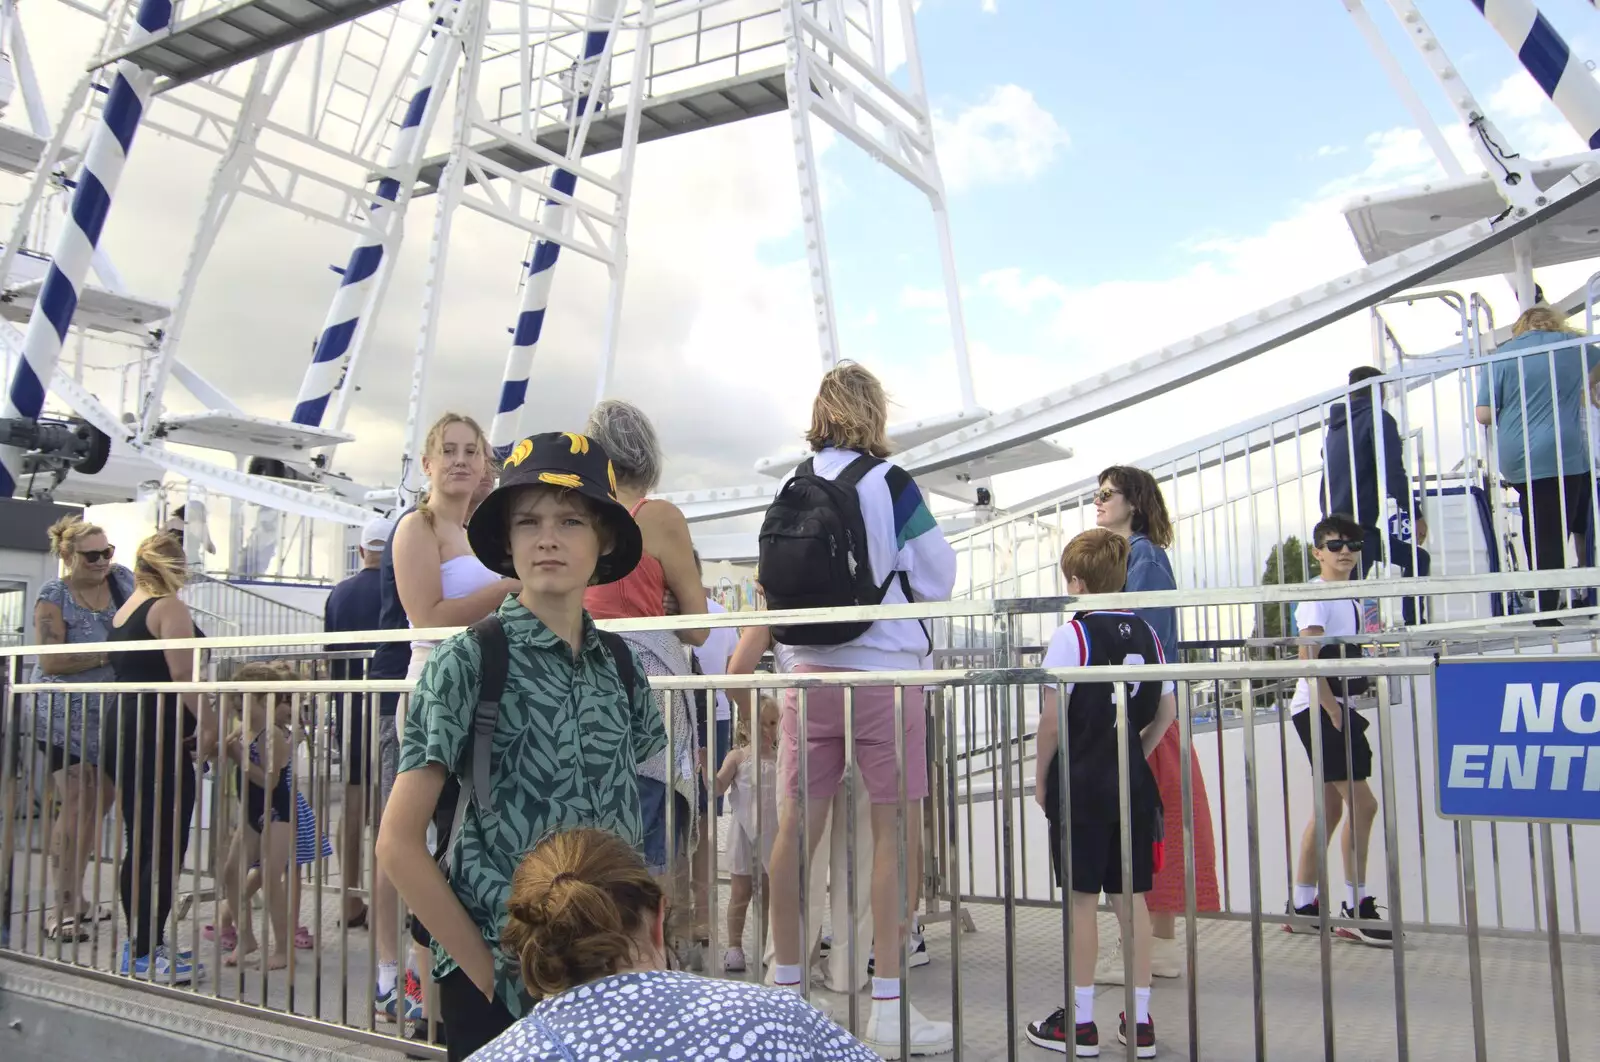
971 608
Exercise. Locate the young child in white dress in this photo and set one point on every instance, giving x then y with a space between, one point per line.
749 834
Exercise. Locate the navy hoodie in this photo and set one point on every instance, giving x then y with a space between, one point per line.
1336 472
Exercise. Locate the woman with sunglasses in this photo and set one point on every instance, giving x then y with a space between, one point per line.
75 609
1129 502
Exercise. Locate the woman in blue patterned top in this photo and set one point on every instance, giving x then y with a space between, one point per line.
75 609
588 926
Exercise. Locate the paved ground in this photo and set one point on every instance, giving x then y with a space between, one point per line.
1518 1009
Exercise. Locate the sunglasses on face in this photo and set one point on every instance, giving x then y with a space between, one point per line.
1105 494
93 555
1339 545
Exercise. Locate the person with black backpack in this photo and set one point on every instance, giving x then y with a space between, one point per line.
849 528
536 718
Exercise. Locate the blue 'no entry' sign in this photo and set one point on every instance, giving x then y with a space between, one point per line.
1519 740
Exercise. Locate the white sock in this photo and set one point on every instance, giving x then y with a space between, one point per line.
1304 894
885 989
1083 1004
1141 1005
1357 892
786 976
388 973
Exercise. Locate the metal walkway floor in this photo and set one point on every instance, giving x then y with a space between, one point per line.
1516 988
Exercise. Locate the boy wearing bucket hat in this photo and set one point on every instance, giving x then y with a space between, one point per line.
573 721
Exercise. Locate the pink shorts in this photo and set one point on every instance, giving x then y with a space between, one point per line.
874 747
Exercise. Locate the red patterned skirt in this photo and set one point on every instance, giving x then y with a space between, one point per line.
1166 896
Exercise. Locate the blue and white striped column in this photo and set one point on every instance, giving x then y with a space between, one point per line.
76 244
506 428
359 278
1562 75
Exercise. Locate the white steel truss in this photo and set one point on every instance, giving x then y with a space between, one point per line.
326 123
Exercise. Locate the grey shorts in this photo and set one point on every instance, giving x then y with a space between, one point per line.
388 761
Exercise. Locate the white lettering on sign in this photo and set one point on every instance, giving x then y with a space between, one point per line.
1518 767
1561 757
1572 714
1464 758
1538 716
1523 769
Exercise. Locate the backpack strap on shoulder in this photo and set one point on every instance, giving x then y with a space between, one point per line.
474 772
857 470
622 657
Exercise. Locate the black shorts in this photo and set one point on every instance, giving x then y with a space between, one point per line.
1097 857
57 757
1335 767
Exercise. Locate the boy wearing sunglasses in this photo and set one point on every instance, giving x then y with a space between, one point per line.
1346 753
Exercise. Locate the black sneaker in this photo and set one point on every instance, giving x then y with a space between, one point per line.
1051 1034
1366 934
1312 910
1144 1036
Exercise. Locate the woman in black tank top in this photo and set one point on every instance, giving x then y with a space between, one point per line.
152 739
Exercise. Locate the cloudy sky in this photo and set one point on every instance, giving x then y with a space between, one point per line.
1120 175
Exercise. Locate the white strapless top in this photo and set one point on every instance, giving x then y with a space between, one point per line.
459 577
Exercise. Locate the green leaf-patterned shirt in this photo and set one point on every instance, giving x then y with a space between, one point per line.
565 752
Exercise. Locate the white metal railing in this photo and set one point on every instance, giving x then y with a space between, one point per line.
984 862
1236 496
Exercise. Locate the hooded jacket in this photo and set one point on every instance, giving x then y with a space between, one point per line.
1350 424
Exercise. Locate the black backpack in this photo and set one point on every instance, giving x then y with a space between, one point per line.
472 778
814 553
1355 684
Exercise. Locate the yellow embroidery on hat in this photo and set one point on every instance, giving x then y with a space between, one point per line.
580 443
520 454
561 479
611 475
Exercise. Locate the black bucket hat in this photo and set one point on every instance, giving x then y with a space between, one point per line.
568 461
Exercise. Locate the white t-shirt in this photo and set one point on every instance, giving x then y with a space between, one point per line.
1340 617
1068 647
714 655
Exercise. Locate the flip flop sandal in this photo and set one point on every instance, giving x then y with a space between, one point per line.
303 940
229 938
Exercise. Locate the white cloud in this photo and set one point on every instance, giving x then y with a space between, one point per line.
915 298
1006 138
990 6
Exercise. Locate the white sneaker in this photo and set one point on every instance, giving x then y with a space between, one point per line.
1108 971
882 1033
1167 958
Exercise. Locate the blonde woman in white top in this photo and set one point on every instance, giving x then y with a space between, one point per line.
441 583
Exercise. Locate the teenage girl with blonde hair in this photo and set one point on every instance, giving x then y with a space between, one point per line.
151 739
441 583
75 609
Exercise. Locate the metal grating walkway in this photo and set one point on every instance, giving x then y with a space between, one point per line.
195 47
734 99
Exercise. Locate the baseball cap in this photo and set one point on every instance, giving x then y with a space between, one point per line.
375 534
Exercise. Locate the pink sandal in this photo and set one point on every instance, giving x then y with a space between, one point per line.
303 940
229 938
